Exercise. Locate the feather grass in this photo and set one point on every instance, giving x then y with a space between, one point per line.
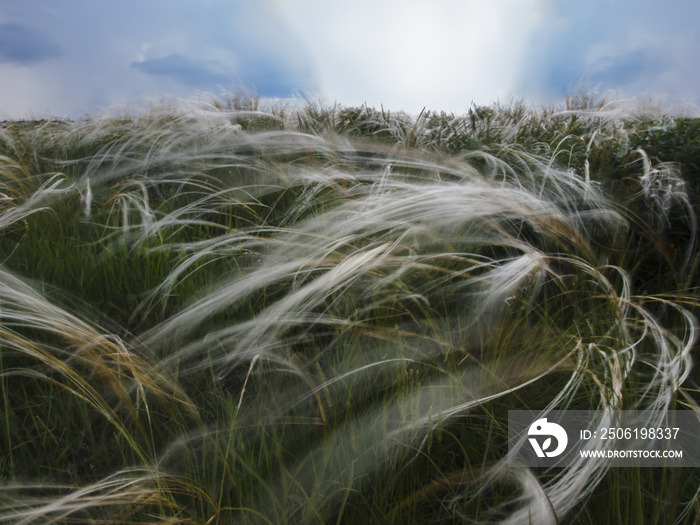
324 314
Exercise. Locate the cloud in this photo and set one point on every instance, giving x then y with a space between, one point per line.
624 69
22 45
224 44
637 49
266 79
186 70
84 55
404 54
410 54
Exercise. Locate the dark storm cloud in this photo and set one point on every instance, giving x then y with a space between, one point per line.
22 45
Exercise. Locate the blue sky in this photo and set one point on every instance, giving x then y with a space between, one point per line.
84 56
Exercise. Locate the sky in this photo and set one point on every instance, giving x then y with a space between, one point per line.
84 57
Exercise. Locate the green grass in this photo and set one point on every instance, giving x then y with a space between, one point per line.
228 313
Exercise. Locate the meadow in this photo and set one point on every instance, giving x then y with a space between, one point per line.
217 312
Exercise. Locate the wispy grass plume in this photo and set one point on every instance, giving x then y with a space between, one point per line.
218 311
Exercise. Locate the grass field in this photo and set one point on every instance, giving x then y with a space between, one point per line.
222 313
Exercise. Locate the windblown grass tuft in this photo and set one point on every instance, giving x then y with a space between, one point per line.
218 312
